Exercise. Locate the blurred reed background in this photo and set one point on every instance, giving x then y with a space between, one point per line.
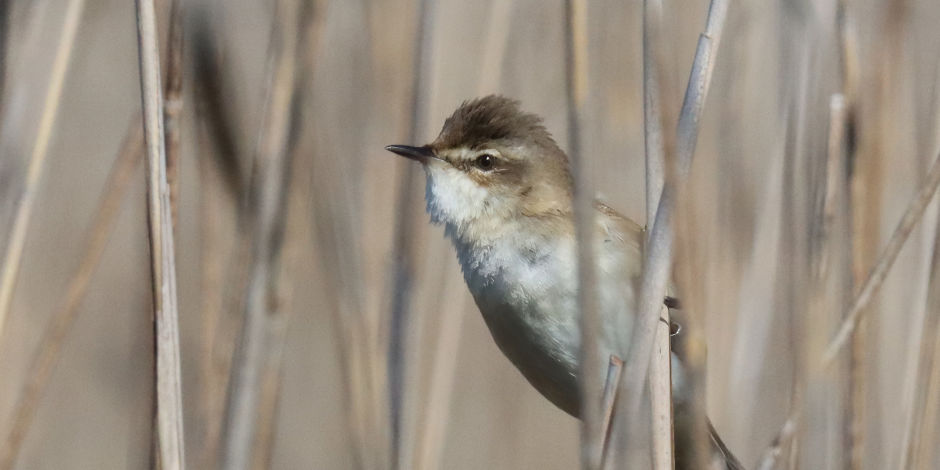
298 238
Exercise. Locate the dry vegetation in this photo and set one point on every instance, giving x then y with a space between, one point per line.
323 323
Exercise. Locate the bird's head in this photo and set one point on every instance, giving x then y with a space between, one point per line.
491 163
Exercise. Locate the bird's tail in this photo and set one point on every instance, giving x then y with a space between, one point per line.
720 456
720 451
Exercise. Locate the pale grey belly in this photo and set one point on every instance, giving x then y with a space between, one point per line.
549 363
541 338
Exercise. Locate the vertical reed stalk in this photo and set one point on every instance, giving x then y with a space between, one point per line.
661 396
169 439
853 401
658 252
576 81
835 181
876 122
655 121
169 406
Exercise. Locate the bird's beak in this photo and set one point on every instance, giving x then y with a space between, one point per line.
418 154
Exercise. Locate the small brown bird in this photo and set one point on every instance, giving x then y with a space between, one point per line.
502 189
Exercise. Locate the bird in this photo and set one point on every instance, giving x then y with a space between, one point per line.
502 189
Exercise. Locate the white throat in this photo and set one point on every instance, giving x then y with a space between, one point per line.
493 243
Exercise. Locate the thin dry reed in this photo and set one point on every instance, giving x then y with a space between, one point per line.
854 379
169 394
661 396
655 120
658 252
577 95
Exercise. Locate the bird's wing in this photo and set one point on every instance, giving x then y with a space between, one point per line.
620 227
624 236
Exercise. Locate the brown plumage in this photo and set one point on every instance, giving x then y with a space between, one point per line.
496 120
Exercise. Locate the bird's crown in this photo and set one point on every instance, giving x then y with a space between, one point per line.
493 119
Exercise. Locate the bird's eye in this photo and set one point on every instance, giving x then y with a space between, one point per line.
485 162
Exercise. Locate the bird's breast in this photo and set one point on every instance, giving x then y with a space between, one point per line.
528 298
526 289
